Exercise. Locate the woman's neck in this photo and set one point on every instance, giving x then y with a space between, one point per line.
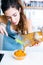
13 27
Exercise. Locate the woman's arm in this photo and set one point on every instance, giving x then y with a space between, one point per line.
3 22
3 19
29 26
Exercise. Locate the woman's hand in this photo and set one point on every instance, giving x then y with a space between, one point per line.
2 29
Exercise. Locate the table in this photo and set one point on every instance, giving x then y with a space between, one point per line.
34 57
31 37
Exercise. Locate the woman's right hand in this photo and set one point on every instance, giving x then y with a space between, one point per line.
3 30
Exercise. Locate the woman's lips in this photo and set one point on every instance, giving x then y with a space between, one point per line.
14 22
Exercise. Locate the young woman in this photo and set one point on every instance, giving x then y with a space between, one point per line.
17 23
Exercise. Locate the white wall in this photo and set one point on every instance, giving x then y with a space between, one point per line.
36 16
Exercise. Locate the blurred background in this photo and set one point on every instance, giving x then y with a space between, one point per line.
33 9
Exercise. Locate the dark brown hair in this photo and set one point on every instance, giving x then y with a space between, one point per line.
5 4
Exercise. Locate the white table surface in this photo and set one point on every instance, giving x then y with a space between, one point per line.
34 57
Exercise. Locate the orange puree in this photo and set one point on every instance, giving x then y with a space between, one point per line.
20 53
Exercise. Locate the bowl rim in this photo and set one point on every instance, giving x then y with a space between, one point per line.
17 56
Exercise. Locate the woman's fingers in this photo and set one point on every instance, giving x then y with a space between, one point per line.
3 30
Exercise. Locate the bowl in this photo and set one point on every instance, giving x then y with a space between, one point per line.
19 54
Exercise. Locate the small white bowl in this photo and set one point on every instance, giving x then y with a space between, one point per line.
18 57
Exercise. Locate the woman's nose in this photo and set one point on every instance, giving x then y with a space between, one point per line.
12 18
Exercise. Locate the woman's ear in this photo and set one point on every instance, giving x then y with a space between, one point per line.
19 10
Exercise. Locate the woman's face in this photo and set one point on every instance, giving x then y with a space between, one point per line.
13 15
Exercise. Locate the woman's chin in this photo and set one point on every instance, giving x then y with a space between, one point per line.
15 23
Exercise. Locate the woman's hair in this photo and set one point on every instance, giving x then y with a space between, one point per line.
6 4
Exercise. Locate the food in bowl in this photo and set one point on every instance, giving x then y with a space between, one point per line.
19 54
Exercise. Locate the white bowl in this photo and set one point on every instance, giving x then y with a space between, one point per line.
19 57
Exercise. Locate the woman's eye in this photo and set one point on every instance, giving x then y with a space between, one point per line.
14 15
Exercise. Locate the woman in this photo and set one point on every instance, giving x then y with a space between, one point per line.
17 23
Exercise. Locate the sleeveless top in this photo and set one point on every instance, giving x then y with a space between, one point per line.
8 42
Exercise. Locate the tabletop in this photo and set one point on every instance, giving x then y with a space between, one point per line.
34 56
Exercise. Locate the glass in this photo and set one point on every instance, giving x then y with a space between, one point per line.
42 32
26 41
